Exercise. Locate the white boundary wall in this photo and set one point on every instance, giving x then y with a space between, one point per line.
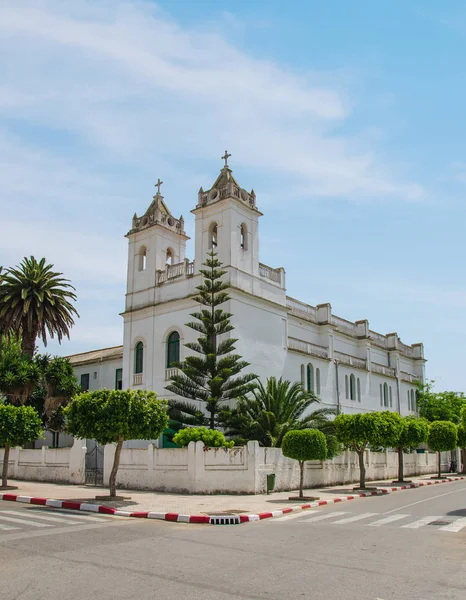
61 465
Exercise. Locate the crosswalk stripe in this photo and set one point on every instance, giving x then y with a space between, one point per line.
7 527
455 526
293 516
421 522
325 516
26 514
354 518
70 515
387 520
23 521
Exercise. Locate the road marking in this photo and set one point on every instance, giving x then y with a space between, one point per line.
387 520
59 519
7 527
355 518
455 526
463 489
70 515
23 521
421 522
293 516
326 516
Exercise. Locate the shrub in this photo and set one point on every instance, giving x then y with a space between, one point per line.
211 437
302 445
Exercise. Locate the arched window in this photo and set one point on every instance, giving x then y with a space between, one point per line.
142 260
346 387
138 357
173 349
381 395
303 377
213 236
310 378
385 394
244 237
318 382
391 397
359 390
169 258
352 385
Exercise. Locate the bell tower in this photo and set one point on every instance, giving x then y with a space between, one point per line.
156 239
227 221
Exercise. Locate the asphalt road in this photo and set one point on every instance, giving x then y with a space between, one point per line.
407 545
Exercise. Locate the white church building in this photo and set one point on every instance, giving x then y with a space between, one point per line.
346 364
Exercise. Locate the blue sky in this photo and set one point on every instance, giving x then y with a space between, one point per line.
347 118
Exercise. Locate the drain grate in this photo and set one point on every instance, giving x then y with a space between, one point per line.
225 520
440 523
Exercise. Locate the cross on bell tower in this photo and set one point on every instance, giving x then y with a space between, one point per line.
157 185
225 157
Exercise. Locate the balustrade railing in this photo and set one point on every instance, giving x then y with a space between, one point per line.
137 379
302 310
182 269
307 347
348 359
376 368
269 273
170 372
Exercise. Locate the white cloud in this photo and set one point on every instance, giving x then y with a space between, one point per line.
123 77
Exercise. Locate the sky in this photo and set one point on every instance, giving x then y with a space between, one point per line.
347 119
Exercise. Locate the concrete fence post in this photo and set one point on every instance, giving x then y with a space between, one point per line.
43 456
77 465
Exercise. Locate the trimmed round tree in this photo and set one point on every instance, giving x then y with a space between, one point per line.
302 445
462 445
113 416
443 436
357 431
413 433
18 425
211 437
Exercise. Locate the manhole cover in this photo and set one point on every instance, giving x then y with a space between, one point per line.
440 523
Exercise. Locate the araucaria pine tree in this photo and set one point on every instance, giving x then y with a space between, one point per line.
211 374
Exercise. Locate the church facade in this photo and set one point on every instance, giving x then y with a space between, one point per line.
349 366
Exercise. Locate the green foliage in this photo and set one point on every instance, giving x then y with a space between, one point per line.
211 437
413 433
439 406
461 436
113 415
305 444
19 374
443 436
334 448
271 411
356 431
18 425
211 374
36 302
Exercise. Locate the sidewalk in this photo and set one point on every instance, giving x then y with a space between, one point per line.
219 505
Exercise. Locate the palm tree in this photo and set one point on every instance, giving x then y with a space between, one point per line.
273 410
35 302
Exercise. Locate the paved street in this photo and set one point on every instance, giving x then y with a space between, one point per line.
407 545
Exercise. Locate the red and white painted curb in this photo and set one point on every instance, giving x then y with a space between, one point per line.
211 519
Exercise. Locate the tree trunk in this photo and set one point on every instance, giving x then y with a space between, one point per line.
6 458
362 470
439 465
400 464
28 341
212 420
116 464
301 477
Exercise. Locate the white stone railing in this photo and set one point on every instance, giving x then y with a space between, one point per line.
301 310
182 269
378 339
348 359
137 379
307 348
388 371
409 377
170 372
344 325
269 273
406 350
